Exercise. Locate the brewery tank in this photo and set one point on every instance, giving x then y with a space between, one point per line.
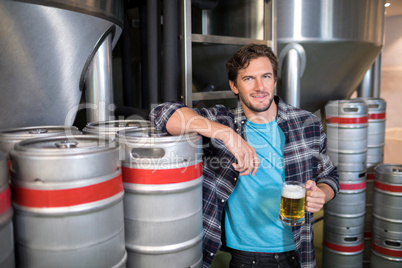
336 42
46 49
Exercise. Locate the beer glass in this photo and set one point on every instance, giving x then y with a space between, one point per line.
292 203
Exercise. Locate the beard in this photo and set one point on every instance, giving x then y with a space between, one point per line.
254 107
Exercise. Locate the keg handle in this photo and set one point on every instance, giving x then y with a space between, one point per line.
350 239
373 106
392 243
397 169
350 109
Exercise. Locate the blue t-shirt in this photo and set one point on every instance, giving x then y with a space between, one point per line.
252 210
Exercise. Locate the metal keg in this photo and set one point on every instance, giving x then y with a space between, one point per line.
7 259
349 161
376 121
350 201
375 155
9 137
352 177
68 201
388 193
338 224
110 128
347 122
340 251
386 253
345 214
387 216
162 178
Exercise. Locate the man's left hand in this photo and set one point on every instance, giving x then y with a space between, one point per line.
315 197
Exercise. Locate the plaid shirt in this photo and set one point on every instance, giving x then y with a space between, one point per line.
305 159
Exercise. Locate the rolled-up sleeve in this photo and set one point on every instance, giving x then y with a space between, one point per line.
160 115
328 172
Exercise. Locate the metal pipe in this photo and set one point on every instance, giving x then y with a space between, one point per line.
186 54
144 98
99 84
152 44
171 63
371 83
364 89
126 64
293 61
377 68
291 78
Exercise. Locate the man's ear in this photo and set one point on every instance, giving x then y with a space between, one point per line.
233 87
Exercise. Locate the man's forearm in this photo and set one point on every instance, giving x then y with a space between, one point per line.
185 120
329 193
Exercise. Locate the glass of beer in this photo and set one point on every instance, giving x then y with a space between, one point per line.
292 203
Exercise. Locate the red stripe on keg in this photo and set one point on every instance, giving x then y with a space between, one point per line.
353 186
377 116
162 176
370 176
346 120
387 187
386 251
67 197
5 200
343 248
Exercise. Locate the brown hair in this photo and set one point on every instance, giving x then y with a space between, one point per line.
241 59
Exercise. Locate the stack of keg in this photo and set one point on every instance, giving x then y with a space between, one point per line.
386 245
344 217
68 195
162 178
375 156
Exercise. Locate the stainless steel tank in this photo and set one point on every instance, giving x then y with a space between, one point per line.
328 45
46 49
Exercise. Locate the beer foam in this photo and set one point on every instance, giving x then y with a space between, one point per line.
293 191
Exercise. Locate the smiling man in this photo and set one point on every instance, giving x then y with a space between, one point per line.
258 145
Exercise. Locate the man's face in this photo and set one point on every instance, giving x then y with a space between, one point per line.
255 85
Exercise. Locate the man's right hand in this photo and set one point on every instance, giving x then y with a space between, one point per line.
246 157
